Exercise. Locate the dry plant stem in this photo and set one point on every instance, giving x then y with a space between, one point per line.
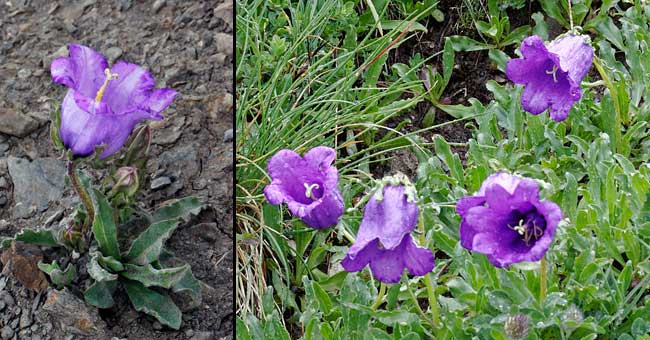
542 279
83 195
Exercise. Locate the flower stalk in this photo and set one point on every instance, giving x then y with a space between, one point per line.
542 279
83 195
433 302
380 296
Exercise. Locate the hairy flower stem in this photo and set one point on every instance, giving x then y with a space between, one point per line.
380 296
83 195
415 299
570 14
433 303
542 279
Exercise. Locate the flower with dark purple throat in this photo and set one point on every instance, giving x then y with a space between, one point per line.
307 184
507 221
104 104
384 239
551 73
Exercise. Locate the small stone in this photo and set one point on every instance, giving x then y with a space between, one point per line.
157 326
25 318
7 298
202 336
24 73
21 261
61 52
3 183
73 314
224 43
160 182
158 5
7 333
227 136
16 123
36 184
207 231
125 5
113 53
225 12
189 333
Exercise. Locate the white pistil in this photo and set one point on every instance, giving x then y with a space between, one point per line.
524 231
109 76
309 188
553 71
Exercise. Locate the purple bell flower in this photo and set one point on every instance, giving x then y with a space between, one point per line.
103 105
308 185
551 73
506 220
384 240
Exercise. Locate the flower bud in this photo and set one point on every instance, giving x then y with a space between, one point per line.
126 180
516 326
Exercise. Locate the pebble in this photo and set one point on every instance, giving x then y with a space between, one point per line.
7 298
224 43
160 182
158 5
157 326
7 333
113 53
36 184
3 183
15 123
227 136
24 73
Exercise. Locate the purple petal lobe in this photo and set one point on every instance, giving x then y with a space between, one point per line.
130 89
83 71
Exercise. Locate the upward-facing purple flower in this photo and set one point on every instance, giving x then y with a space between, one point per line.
104 104
507 221
384 240
308 185
551 74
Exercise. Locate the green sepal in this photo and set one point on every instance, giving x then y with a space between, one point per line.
55 128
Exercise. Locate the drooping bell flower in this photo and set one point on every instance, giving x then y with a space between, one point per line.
307 184
103 105
507 221
551 74
384 238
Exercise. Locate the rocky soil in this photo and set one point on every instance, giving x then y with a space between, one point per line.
187 45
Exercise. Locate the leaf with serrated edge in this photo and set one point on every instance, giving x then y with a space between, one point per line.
104 227
98 273
42 237
150 276
146 248
180 209
100 294
149 301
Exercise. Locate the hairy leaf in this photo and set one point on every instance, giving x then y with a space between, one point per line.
150 276
59 278
104 227
98 273
147 247
41 237
180 209
100 294
153 303
188 284
108 262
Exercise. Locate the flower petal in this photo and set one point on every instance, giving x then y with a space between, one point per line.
321 214
130 89
575 56
356 262
290 172
506 180
83 71
418 260
157 101
387 220
468 202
